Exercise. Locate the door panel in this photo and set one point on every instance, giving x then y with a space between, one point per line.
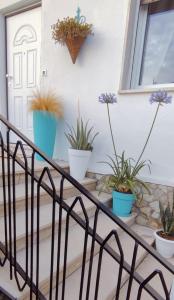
31 68
23 66
17 70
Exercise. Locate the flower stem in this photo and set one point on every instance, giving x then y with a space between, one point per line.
112 136
153 123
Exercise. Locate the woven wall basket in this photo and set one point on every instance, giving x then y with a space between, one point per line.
74 46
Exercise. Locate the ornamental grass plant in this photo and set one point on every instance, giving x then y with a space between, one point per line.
47 102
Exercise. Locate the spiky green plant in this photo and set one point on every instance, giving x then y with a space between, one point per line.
167 218
124 178
81 137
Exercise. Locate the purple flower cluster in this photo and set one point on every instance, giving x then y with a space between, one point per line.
108 98
160 97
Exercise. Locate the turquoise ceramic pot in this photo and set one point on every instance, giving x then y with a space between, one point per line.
45 127
122 203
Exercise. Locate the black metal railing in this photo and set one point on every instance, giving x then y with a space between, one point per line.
4 295
28 272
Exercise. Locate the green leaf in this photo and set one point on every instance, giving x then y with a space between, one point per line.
81 137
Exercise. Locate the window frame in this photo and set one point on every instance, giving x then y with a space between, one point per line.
134 49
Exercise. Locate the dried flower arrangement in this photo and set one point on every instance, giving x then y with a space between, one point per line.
72 32
47 102
70 28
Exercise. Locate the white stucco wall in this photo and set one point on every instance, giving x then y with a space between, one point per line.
98 69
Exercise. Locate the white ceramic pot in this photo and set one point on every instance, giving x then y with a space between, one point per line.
78 161
163 246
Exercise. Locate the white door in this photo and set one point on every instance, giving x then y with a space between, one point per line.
23 67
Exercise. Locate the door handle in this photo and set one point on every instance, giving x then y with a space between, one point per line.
8 76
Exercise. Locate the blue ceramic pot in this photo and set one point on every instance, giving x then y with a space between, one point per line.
45 127
122 203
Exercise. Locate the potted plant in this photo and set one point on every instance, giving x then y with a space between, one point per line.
165 237
72 32
47 109
125 184
81 140
125 180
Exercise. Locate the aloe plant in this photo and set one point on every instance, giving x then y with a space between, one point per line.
167 218
81 137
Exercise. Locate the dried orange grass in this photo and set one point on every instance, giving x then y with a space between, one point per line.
48 102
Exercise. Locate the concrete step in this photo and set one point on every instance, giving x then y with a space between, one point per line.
46 218
69 191
148 265
74 258
39 165
109 270
27 149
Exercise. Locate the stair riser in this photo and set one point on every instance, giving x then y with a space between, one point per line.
76 264
72 267
20 176
45 232
126 276
45 199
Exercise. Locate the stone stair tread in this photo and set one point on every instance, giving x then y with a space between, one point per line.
148 265
46 214
109 271
75 250
20 188
39 165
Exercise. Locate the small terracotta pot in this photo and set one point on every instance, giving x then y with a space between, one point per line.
74 46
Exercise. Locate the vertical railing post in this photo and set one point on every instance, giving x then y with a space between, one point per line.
32 223
92 254
19 147
2 262
132 270
59 238
9 203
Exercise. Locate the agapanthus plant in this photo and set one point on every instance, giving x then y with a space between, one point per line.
126 170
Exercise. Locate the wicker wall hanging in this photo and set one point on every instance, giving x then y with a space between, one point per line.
72 32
